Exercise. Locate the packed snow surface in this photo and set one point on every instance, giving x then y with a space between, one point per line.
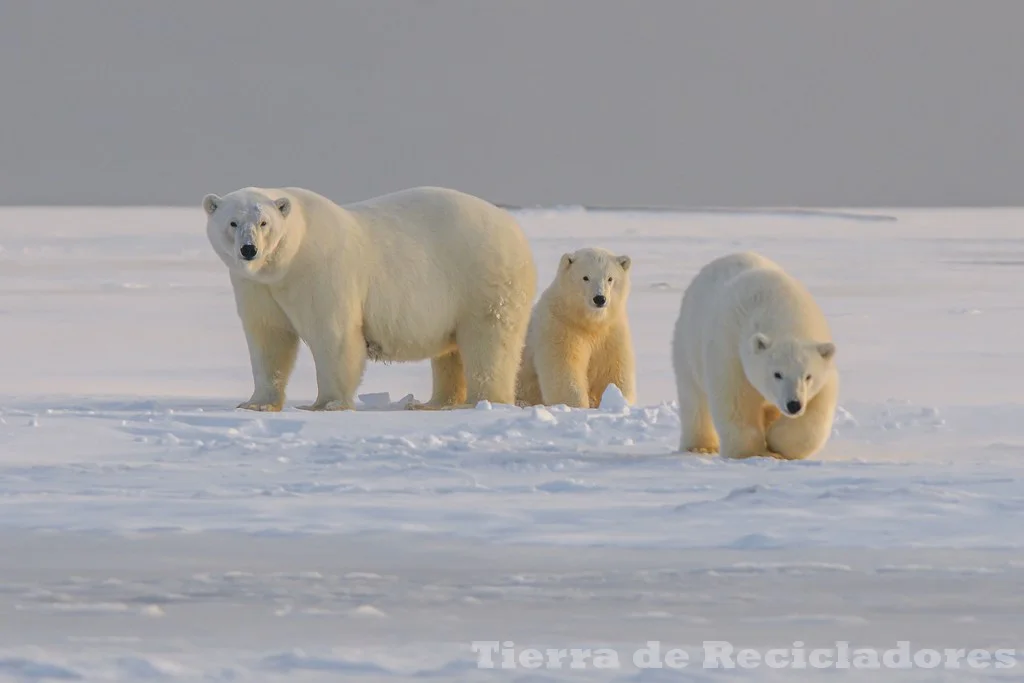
150 531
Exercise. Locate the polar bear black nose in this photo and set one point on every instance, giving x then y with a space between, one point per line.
793 407
248 251
600 301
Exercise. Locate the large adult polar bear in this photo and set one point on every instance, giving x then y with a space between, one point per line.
416 274
753 358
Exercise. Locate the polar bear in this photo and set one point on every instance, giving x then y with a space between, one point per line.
578 341
424 273
753 358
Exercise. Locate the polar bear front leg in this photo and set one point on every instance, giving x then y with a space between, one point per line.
797 438
562 373
272 353
737 412
697 431
340 363
627 365
272 342
613 362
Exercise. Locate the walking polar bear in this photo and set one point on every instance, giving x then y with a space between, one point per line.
753 358
578 341
424 273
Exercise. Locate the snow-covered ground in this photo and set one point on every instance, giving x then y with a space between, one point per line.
148 531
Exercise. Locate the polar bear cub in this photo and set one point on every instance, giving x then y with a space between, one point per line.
425 273
578 341
754 362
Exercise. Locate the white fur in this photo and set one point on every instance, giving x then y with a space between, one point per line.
417 274
574 347
744 323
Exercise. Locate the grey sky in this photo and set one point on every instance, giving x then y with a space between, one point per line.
631 102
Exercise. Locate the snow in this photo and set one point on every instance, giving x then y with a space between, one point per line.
149 531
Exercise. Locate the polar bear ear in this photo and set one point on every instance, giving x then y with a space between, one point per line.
625 262
760 342
210 203
565 262
284 205
827 350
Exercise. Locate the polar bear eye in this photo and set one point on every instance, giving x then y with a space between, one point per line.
234 224
263 224
778 375
586 278
609 279
808 378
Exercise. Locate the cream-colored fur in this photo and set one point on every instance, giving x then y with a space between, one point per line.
574 348
425 273
750 345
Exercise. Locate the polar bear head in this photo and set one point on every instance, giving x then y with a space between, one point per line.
788 372
593 282
248 229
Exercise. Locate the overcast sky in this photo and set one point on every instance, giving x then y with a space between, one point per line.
599 102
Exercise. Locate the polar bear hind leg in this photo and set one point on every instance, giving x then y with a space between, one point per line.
449 380
488 357
490 350
449 384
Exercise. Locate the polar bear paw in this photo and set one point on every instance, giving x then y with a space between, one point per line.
763 454
328 405
260 406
